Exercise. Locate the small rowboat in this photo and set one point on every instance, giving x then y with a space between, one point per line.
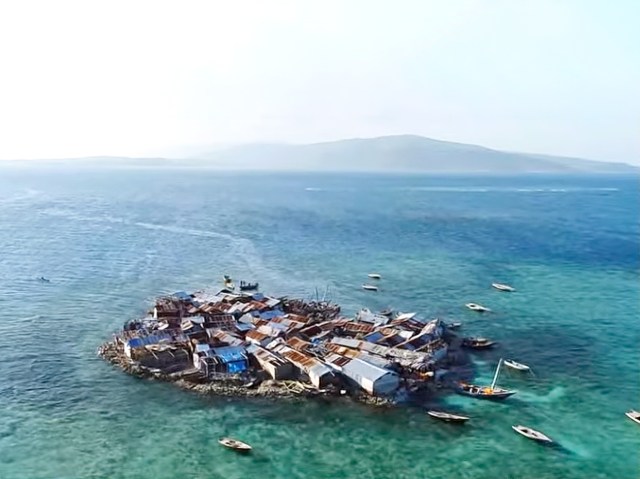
369 287
633 415
503 287
374 276
234 444
477 308
478 343
453 325
532 434
448 417
516 365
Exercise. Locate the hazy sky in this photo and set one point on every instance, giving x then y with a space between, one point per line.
149 77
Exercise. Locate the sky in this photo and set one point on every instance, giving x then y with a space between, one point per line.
170 78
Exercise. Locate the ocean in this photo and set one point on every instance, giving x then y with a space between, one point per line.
111 239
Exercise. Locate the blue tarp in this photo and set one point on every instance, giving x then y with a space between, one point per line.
236 367
229 354
374 337
258 296
234 357
139 342
182 295
268 315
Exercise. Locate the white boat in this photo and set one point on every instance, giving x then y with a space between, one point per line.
532 434
503 287
374 276
447 417
486 392
633 415
516 365
454 325
369 287
477 307
234 444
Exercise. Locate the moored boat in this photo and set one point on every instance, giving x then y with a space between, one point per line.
477 308
369 287
454 325
448 417
503 287
478 343
516 365
245 286
234 444
532 434
486 392
633 415
374 276
387 312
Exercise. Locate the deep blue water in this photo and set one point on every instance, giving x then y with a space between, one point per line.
110 240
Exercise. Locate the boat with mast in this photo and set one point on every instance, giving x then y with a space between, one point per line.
486 392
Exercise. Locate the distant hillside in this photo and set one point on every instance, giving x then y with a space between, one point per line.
404 153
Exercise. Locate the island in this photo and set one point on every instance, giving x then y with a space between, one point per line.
251 344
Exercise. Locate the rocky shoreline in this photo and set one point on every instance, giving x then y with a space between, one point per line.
234 386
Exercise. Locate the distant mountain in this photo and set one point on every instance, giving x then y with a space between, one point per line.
404 153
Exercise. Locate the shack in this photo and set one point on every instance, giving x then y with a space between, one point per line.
273 364
373 379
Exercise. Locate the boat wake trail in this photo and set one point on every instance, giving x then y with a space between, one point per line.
555 394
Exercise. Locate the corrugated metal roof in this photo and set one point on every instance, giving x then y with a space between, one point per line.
267 356
348 342
337 360
298 344
224 337
359 368
257 336
358 327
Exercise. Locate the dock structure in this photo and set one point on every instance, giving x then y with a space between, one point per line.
249 339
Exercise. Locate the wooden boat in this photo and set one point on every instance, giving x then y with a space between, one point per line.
369 287
503 287
455 325
244 286
234 444
478 343
633 415
43 279
486 392
516 365
448 417
374 276
532 434
477 308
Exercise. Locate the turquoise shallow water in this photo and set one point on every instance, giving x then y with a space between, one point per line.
111 240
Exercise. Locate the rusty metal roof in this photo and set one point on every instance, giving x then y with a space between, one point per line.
358 327
298 344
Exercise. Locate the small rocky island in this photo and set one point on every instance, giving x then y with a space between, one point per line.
250 344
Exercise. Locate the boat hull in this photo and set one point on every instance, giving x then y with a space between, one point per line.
446 417
503 287
235 445
532 434
516 366
478 392
634 416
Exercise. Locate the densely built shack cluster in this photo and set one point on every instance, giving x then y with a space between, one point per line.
246 339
